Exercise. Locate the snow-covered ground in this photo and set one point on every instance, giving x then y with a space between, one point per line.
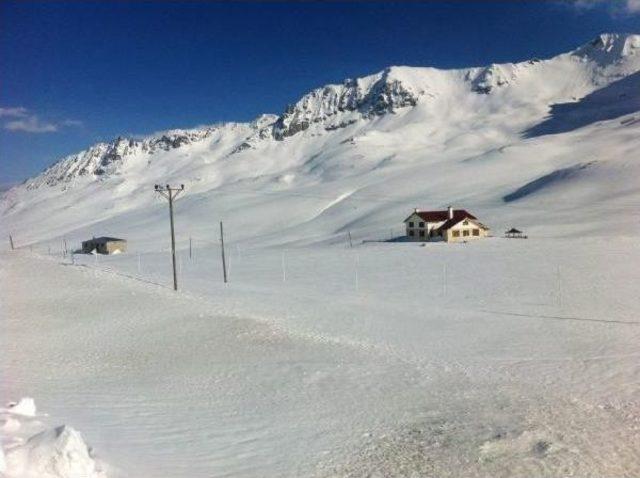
498 358
493 358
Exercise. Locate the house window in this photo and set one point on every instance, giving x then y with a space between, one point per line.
411 233
476 232
456 234
421 233
411 224
465 223
421 224
465 232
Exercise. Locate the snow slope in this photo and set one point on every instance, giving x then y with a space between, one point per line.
359 155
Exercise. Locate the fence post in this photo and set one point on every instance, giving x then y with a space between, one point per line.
559 287
224 263
284 269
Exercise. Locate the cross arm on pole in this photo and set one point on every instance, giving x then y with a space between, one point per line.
171 193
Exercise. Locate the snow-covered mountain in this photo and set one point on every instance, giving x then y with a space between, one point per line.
551 145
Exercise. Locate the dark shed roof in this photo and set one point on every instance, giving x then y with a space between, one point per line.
103 239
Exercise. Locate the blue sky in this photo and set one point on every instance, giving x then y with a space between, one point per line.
75 73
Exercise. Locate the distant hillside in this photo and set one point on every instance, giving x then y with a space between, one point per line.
551 145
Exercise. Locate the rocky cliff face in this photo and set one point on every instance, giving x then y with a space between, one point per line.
104 159
376 95
609 48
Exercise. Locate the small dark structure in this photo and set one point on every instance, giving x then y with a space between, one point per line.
104 245
514 233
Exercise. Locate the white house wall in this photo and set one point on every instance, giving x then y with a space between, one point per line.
461 227
428 226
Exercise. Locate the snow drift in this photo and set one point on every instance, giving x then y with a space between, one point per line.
31 450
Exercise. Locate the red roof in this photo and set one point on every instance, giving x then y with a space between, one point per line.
439 216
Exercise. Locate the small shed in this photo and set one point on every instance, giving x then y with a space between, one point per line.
514 233
104 245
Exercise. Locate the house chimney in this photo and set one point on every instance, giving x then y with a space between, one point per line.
450 212
415 209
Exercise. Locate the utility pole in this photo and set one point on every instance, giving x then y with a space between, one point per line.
357 281
559 287
224 263
350 242
171 193
189 247
11 242
284 269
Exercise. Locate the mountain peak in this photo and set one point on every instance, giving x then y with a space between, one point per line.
383 92
609 47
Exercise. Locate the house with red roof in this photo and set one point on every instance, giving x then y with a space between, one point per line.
450 225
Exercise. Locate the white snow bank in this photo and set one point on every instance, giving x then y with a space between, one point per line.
25 406
59 452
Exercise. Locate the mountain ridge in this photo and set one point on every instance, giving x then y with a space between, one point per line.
373 136
377 94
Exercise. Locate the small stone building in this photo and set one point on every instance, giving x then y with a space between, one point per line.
104 245
451 225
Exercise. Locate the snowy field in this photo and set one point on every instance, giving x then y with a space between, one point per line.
497 358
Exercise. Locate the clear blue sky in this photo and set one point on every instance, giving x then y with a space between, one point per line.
75 73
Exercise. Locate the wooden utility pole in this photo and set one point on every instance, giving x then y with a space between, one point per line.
224 262
350 242
189 247
11 242
171 194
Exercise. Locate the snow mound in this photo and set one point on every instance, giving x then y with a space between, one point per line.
56 453
31 450
25 406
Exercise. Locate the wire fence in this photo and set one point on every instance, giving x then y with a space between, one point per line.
595 287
